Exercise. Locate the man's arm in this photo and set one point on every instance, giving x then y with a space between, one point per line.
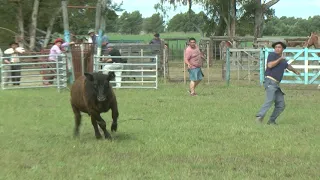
105 40
9 51
187 57
290 68
67 44
272 62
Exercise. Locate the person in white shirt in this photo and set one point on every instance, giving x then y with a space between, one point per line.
13 53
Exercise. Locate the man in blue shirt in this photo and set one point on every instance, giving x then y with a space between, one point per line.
93 38
276 65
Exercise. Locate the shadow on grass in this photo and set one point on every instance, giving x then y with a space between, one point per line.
123 136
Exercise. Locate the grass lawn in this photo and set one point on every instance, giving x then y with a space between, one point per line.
148 37
168 135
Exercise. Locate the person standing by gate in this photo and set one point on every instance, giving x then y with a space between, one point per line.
55 51
115 64
193 58
14 52
276 65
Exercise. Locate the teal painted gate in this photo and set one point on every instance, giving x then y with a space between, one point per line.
306 61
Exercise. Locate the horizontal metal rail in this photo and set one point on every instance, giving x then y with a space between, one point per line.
35 56
128 70
26 70
129 57
40 75
21 79
133 81
37 63
146 73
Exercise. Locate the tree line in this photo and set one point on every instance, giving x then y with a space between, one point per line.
31 19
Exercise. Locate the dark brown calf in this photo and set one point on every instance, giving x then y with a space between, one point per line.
93 94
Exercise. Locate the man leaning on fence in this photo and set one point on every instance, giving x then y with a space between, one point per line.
13 53
115 64
156 40
276 65
193 58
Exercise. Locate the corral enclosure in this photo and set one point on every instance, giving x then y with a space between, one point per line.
158 137
244 62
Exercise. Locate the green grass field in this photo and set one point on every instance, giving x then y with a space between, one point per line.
149 37
168 135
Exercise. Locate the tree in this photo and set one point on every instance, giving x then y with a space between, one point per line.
290 26
29 24
130 23
259 13
155 23
176 23
225 13
190 22
222 12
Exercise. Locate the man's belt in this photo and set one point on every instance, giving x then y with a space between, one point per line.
272 79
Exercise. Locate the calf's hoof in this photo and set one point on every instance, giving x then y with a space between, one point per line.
76 134
114 127
108 136
98 136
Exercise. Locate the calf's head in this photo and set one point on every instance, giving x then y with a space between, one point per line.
100 84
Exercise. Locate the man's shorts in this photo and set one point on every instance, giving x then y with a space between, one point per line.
195 74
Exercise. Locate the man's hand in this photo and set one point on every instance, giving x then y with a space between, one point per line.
290 68
6 62
189 66
296 72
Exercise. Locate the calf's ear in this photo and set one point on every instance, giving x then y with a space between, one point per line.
89 76
111 75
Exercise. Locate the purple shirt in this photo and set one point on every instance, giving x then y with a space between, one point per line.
55 50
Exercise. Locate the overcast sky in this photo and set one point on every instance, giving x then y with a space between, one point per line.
296 8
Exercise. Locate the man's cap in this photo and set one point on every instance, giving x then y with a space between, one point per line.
91 31
157 35
279 42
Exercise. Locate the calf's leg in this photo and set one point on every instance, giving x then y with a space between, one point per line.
103 126
115 115
77 119
95 127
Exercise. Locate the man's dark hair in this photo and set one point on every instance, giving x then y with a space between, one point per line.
190 39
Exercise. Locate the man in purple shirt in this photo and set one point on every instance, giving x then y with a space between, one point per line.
276 65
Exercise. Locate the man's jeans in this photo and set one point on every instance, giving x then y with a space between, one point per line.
111 67
273 94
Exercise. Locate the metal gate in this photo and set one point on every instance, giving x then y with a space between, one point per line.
138 72
30 71
306 60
